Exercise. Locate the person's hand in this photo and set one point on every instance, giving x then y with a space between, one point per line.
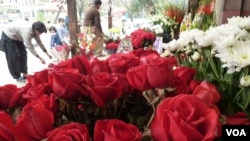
42 60
50 57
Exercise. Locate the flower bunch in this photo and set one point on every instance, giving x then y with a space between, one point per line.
142 38
86 44
175 11
112 45
135 96
162 23
205 15
220 56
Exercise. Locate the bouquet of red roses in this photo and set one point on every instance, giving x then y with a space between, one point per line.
134 96
142 38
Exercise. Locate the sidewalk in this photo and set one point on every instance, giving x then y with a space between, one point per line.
34 65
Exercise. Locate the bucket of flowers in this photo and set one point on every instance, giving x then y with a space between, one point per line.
142 38
163 26
111 46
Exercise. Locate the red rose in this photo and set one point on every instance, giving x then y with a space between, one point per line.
185 73
116 130
137 78
120 63
155 73
80 63
35 92
6 93
6 126
38 77
180 87
65 83
112 45
142 52
126 88
103 87
17 100
34 122
160 77
207 92
70 132
239 118
154 59
193 84
99 66
184 118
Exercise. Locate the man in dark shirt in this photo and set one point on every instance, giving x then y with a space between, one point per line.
92 25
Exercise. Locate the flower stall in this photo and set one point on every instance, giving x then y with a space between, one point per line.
200 83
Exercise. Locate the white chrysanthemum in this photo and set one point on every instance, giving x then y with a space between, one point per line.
190 35
235 57
224 41
166 53
241 22
157 29
206 40
243 35
172 46
196 56
245 81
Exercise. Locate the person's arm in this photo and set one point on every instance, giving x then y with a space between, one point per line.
29 45
41 45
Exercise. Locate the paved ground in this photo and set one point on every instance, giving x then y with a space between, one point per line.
34 65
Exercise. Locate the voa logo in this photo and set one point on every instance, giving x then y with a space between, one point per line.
236 132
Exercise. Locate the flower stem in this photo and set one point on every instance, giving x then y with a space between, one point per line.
211 62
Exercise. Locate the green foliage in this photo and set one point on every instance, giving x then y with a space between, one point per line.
41 16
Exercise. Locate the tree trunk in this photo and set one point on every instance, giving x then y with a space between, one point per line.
73 29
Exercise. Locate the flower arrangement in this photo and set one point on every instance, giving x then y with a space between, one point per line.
137 96
175 11
162 23
142 38
86 45
111 46
221 57
205 15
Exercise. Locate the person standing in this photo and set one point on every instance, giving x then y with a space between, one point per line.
16 37
62 30
92 25
54 41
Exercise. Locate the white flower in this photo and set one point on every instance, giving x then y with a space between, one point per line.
196 56
236 57
205 41
166 53
174 45
241 22
245 81
190 35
